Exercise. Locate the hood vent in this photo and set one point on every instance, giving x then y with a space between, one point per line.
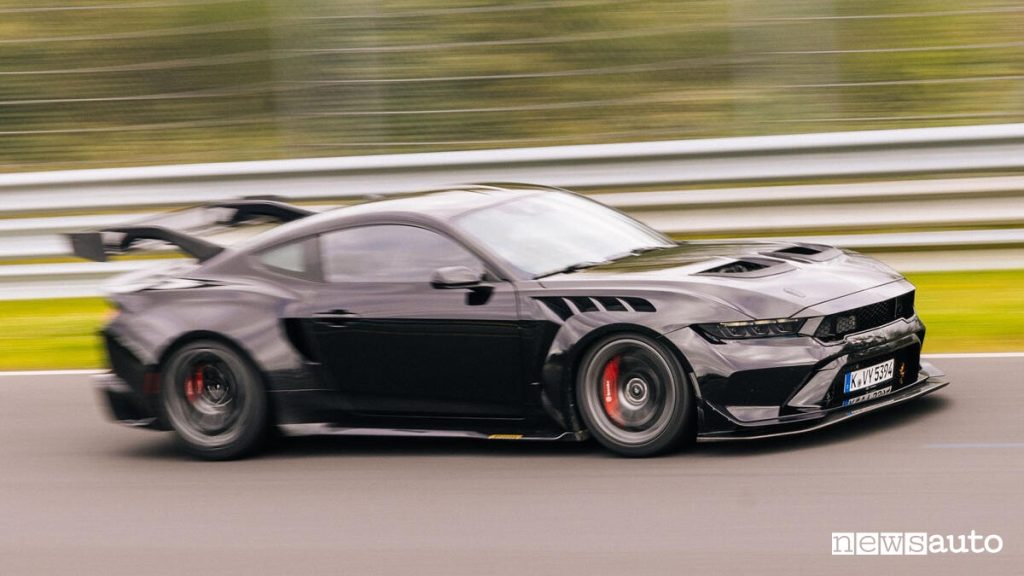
737 267
568 306
800 250
748 268
805 253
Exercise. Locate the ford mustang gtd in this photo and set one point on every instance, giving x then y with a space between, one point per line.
501 312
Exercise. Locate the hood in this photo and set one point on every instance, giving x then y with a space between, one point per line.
760 279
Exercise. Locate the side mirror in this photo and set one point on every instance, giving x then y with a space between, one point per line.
455 277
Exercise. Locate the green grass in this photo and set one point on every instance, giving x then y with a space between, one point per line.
964 311
972 311
51 334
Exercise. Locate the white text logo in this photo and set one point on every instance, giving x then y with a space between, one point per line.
913 543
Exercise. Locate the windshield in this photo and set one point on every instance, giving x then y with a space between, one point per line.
551 232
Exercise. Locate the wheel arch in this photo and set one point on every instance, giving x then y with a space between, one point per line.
183 340
691 413
198 335
574 354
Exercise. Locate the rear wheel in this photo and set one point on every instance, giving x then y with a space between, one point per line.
214 401
633 396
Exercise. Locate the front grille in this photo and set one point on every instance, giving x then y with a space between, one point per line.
836 326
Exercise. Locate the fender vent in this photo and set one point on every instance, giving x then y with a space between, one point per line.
297 336
639 304
568 306
584 303
611 303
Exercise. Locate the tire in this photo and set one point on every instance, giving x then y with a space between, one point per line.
214 400
633 396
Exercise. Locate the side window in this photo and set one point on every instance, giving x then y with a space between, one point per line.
390 253
292 258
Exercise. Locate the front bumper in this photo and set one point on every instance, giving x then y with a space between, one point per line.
931 380
780 386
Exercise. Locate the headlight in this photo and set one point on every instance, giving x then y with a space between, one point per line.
752 329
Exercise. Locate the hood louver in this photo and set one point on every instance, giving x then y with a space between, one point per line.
568 306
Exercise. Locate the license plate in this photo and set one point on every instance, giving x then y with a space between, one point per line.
868 377
869 396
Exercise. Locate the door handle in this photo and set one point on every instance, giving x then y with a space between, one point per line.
337 313
336 318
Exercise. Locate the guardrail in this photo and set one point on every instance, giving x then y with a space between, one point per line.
110 196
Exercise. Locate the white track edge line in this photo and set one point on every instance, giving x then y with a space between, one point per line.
50 373
91 372
977 355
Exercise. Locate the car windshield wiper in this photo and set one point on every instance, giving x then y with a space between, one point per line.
609 260
573 268
636 252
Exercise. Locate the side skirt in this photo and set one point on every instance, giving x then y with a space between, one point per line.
323 429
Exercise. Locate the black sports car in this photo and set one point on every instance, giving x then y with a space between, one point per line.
500 312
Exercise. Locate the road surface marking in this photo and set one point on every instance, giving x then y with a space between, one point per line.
50 373
977 355
977 445
29 373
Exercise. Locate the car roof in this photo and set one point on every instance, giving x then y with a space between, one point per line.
444 203
437 205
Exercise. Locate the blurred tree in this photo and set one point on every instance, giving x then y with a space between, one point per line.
120 82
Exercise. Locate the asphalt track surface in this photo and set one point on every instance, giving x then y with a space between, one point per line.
80 495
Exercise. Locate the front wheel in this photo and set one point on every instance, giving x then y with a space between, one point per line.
213 399
633 396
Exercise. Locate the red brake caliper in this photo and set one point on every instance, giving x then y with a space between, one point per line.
610 388
194 385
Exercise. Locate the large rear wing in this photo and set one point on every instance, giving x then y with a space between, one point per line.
199 232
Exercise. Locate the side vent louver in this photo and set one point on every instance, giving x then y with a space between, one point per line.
639 304
611 303
584 303
559 306
568 306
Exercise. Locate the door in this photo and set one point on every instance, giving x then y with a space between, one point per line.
394 344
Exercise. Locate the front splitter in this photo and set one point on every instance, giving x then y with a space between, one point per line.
810 423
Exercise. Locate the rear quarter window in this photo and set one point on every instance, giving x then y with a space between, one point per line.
292 259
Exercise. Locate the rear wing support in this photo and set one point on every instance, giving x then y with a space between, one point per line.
183 228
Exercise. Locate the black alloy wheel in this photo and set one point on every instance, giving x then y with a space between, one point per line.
633 396
214 400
